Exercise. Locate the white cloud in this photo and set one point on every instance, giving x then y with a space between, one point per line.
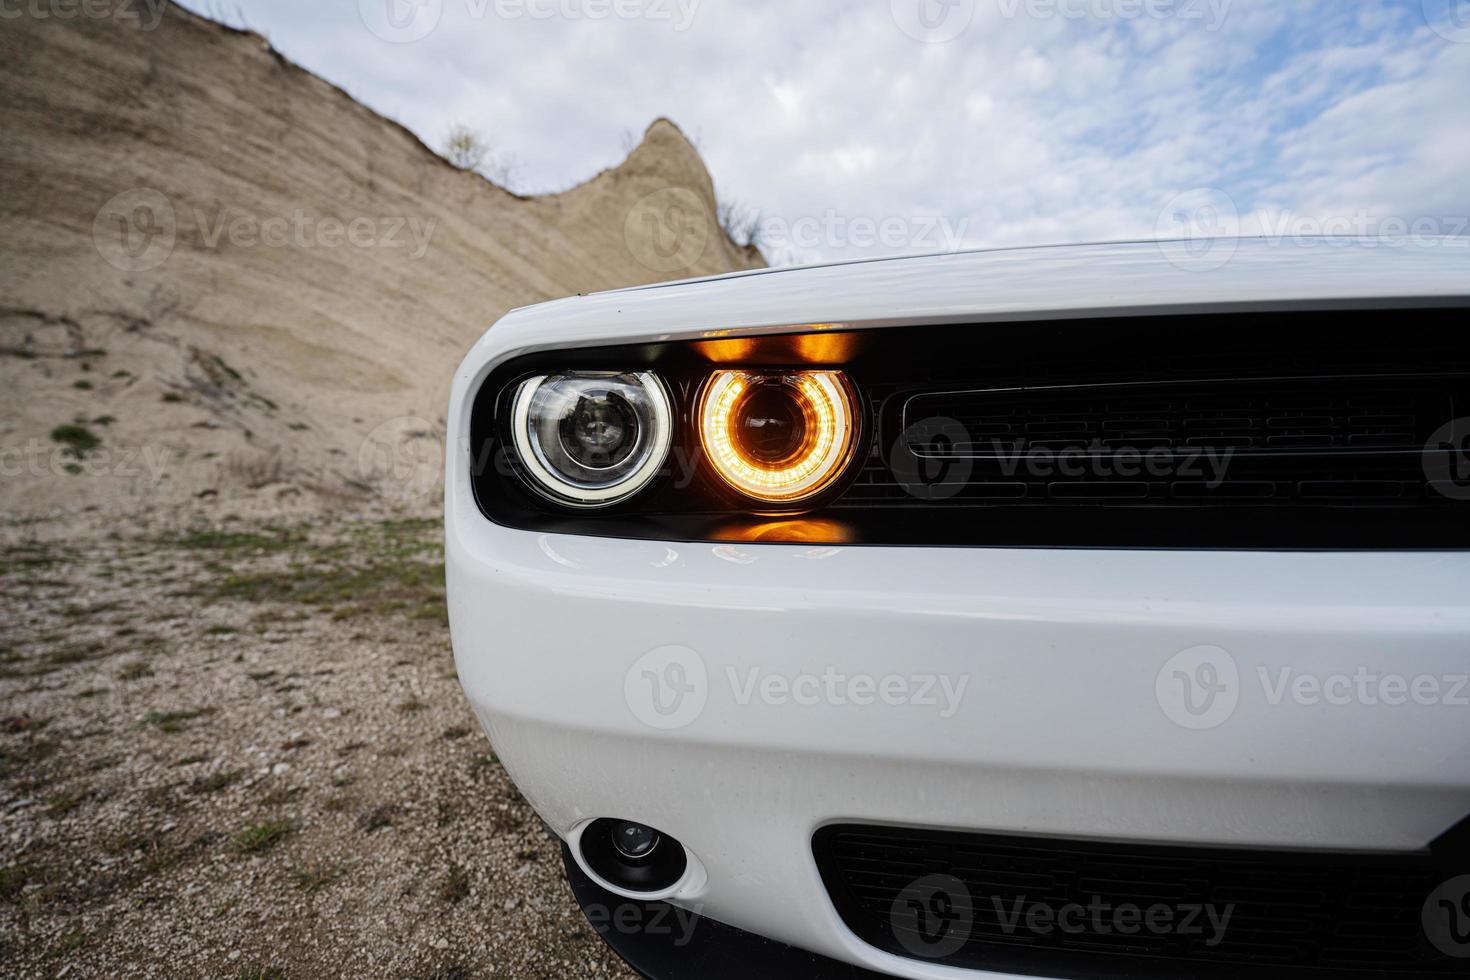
1025 128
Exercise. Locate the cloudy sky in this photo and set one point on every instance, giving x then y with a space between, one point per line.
878 126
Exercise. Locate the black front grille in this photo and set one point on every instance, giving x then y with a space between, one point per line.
1046 907
1297 442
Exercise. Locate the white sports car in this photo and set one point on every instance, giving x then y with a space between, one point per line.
1065 612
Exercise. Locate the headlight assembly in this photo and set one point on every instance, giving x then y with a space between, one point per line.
592 439
779 438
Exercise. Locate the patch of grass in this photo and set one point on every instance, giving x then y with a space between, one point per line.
15 878
135 671
261 973
78 439
77 654
172 397
83 385
261 836
20 724
314 877
172 722
220 629
17 758
413 706
214 782
62 805
281 796
455 887
383 569
377 818
104 420
236 543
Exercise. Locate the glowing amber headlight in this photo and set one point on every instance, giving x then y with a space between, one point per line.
779 438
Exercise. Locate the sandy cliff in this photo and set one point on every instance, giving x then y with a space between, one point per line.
224 282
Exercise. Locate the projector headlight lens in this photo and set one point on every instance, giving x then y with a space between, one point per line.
592 439
779 438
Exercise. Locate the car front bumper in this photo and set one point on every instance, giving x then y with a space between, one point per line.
740 696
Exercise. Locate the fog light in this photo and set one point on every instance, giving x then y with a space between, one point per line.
779 438
633 840
633 856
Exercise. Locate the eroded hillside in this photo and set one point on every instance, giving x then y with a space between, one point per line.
223 280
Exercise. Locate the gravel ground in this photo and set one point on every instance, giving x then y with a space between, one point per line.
241 751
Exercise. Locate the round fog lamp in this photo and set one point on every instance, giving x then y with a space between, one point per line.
779 438
633 840
592 439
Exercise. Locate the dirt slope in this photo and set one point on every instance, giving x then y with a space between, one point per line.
224 282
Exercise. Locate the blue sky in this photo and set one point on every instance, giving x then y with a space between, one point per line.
877 126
